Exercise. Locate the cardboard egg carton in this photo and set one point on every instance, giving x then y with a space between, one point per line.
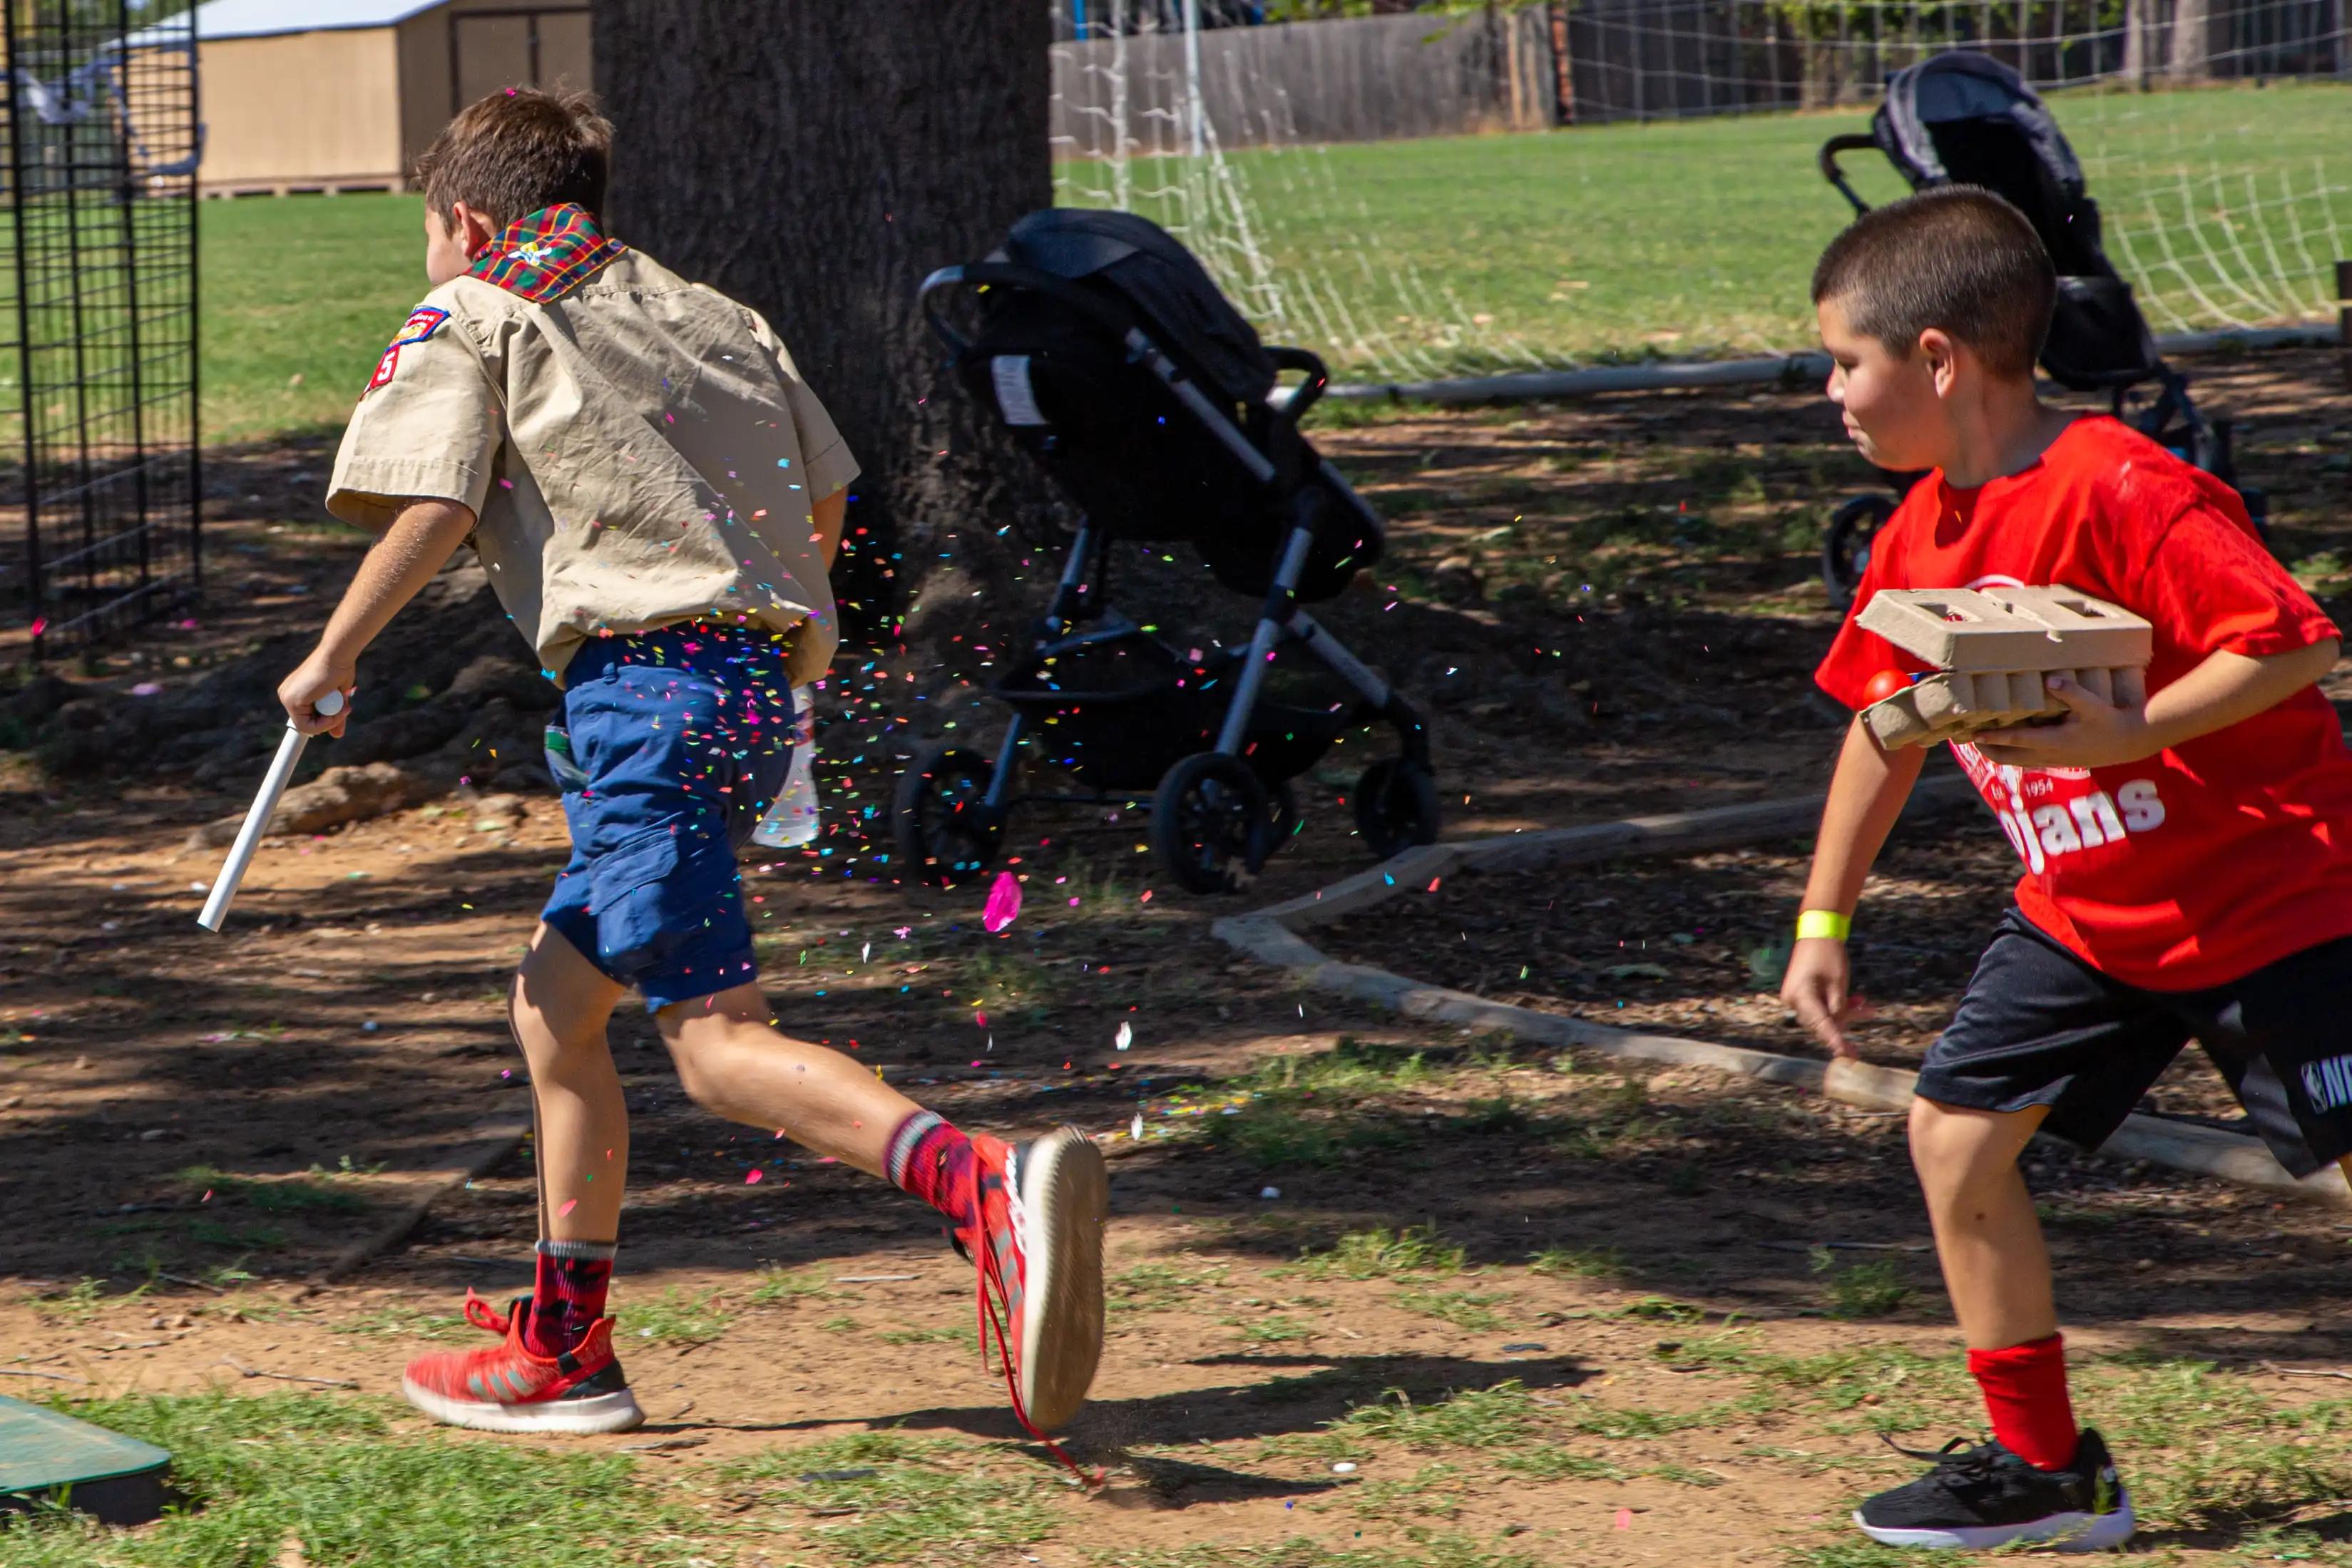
1994 650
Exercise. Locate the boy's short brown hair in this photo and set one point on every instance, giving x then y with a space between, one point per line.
1957 257
518 151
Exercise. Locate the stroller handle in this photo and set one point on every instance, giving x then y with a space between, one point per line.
978 274
1317 377
1836 176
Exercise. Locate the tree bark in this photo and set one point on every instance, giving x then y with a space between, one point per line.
816 160
2192 40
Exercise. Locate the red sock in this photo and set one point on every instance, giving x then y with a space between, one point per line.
2025 1393
568 1296
930 1159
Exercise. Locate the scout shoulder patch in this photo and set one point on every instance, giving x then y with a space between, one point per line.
384 368
422 323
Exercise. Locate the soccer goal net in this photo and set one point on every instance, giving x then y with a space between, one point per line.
1484 188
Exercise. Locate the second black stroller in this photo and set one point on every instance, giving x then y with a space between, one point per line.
1112 360
1963 118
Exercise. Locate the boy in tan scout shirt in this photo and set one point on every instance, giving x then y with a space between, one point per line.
657 495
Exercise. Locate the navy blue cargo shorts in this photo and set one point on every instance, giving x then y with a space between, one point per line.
672 745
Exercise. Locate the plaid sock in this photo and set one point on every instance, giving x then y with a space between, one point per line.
928 1158
569 1295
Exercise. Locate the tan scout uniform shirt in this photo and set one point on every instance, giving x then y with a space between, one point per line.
638 452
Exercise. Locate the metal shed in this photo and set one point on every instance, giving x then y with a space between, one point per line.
342 95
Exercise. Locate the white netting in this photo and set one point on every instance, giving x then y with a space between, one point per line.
1680 210
1137 134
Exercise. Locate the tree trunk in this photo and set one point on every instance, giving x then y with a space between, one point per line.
816 160
2192 40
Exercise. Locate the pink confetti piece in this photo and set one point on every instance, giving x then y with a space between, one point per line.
569 1205
1003 902
752 1178
1624 1519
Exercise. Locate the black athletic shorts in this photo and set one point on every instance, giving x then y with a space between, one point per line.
2041 1027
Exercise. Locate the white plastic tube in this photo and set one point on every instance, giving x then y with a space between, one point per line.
257 820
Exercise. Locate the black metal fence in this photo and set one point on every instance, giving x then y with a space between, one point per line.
98 466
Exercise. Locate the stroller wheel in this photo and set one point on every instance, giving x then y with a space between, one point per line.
1845 550
1396 806
946 832
1210 823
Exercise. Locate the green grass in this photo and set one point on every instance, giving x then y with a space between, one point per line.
1447 1550
1696 236
788 1285
77 1303
925 1497
1379 1253
1579 1262
1159 1287
674 1318
1873 1289
1274 1330
276 1195
408 1322
1472 1310
359 1489
308 286
1501 1416
1679 238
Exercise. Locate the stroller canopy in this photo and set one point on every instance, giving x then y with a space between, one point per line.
1963 118
1954 98
1139 260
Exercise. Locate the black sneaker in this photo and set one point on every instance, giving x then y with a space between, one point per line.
1986 1497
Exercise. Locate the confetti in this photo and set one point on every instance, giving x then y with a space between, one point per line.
1125 1036
569 1205
1624 1519
752 1178
1003 902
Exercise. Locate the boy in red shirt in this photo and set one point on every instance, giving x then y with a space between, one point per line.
2187 862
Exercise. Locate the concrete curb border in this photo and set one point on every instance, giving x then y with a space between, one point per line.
1272 935
1769 369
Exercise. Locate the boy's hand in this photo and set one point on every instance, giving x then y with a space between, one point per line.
312 679
1815 990
2094 734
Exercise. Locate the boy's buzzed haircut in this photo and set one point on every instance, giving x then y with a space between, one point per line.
1956 258
516 151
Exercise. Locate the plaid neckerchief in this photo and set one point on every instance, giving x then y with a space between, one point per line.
546 256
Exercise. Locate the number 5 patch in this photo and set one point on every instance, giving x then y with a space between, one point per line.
383 368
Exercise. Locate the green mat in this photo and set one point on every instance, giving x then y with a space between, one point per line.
43 1454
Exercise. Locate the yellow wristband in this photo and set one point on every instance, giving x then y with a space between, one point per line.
1826 923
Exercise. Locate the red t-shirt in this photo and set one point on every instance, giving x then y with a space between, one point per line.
2205 862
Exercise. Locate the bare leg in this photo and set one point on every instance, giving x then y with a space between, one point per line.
736 1064
1989 1239
558 1008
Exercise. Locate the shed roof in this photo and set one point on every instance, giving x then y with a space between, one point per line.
259 18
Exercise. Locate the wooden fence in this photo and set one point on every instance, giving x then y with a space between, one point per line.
1592 61
1364 79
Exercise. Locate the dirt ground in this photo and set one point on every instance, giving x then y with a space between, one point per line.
1682 1307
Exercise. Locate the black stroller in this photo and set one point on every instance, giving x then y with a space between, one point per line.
1964 118
1114 360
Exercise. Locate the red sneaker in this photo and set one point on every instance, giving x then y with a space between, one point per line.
510 1390
1038 1236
